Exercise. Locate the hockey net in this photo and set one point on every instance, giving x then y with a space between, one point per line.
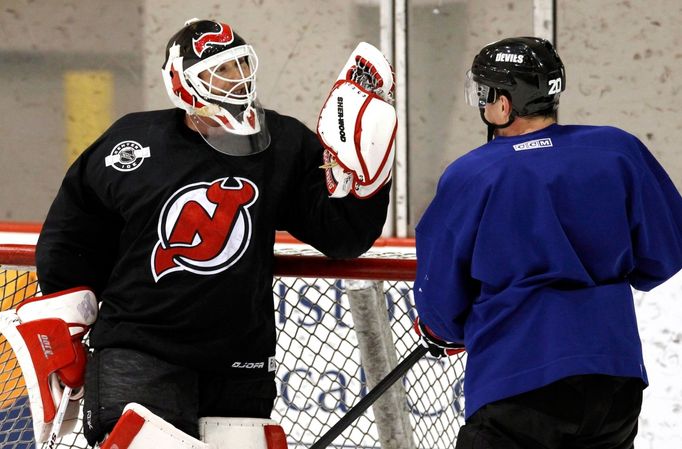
342 325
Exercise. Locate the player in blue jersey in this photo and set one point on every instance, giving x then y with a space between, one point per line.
527 255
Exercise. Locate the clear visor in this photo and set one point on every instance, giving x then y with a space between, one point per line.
227 77
236 131
477 95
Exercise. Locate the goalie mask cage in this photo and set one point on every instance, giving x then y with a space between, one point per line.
342 326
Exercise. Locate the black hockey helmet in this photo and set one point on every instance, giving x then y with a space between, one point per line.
527 68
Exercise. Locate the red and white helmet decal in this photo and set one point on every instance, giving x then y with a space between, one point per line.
204 228
223 37
180 88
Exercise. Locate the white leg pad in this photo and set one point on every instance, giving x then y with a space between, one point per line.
242 433
138 428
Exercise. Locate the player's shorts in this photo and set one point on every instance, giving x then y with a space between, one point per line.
577 412
115 377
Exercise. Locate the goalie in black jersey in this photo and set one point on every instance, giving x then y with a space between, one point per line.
169 218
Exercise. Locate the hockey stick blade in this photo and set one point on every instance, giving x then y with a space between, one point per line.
376 392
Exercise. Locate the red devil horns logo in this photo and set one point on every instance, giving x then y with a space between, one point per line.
223 37
204 228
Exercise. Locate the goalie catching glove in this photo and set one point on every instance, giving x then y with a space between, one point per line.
437 347
357 125
46 335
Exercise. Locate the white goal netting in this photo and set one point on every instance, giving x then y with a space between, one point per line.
342 325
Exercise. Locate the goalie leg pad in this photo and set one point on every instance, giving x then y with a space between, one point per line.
242 433
45 334
138 428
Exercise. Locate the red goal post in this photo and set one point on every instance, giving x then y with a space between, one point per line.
342 325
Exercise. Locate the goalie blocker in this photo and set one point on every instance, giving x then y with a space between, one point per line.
357 125
138 428
46 335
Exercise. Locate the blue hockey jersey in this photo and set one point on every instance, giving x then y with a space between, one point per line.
528 252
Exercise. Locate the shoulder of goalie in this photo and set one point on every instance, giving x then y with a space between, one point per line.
437 346
139 428
46 335
357 125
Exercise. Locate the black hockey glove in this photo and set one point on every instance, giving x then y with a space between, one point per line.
436 346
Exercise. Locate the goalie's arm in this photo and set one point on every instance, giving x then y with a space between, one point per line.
338 227
79 239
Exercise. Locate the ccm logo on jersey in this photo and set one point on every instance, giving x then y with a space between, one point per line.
204 228
508 57
533 144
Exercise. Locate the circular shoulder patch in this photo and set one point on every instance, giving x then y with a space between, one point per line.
127 156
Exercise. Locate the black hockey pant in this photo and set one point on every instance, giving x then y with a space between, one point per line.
116 377
578 412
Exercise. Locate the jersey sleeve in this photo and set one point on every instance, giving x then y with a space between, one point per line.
444 289
338 227
79 239
656 225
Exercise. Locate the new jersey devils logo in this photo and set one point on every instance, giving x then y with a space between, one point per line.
224 36
204 228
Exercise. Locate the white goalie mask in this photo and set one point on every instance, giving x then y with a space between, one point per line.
210 72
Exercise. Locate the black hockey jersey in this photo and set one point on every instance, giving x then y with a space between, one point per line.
176 238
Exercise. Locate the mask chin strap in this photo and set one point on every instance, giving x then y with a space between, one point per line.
492 126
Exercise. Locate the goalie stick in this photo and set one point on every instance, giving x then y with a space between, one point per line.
376 392
59 418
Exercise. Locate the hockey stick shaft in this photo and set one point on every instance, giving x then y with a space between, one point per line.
376 392
59 418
